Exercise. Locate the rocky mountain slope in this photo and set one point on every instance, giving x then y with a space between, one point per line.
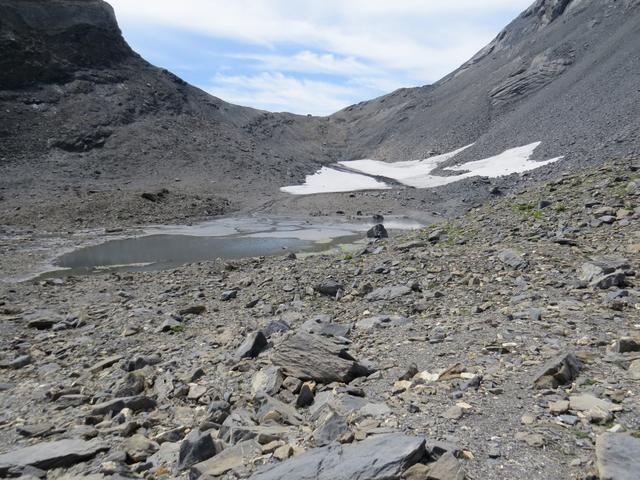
87 125
564 72
504 344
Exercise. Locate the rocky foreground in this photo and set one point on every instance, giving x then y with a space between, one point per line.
504 344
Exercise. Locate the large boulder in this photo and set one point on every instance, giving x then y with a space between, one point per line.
382 457
47 455
618 456
312 357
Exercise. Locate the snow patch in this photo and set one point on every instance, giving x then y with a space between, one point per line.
416 173
330 180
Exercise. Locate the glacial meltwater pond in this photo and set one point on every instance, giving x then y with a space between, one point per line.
166 247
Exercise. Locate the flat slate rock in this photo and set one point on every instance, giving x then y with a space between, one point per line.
388 293
618 456
136 403
381 457
231 458
58 454
312 357
381 321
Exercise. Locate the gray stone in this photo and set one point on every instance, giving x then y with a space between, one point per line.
600 266
240 426
377 231
132 384
322 325
138 448
312 357
615 279
195 448
16 363
585 402
105 363
634 370
330 429
305 396
275 326
446 468
273 409
170 324
345 405
58 454
381 321
388 293
404 247
193 310
252 346
513 259
329 288
618 456
381 457
140 362
268 380
228 295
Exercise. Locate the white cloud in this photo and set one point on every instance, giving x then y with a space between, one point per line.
376 43
311 62
277 92
398 34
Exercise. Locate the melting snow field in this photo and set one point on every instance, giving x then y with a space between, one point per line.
416 173
331 180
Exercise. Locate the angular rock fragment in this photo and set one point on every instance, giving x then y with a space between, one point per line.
105 363
138 448
195 448
380 457
329 288
193 310
447 467
513 259
561 370
231 458
252 345
312 357
330 429
268 380
605 272
602 266
136 403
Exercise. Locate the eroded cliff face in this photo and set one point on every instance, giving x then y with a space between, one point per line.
48 41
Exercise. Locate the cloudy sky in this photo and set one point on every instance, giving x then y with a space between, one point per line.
310 56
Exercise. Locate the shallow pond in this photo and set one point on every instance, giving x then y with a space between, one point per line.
166 247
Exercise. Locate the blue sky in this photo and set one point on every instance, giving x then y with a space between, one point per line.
310 56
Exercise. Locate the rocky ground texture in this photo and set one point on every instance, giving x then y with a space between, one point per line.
502 344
